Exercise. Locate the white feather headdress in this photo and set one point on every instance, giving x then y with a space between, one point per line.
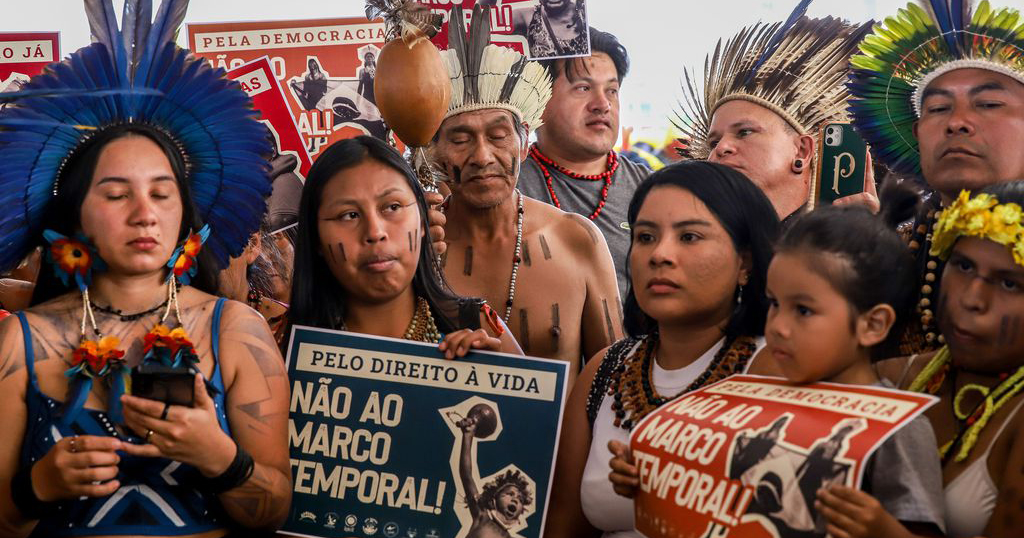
486 76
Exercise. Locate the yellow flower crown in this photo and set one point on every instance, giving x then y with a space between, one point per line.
981 216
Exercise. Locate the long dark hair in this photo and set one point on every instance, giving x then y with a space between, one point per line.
318 299
64 214
747 216
881 268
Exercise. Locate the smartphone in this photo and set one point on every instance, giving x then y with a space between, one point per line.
163 383
842 163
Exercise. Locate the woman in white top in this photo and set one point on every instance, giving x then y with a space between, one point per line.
979 373
694 313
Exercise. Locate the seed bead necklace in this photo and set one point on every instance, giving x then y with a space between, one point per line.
543 162
516 258
422 327
632 385
922 239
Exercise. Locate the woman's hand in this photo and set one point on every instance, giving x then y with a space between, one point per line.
625 477
81 466
436 221
851 513
458 343
190 435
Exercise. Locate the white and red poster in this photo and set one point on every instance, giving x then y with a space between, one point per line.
745 457
541 29
326 68
24 54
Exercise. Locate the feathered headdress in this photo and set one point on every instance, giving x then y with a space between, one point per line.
134 75
794 68
404 17
489 76
908 51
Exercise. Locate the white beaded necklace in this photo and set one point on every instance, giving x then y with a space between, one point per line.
516 259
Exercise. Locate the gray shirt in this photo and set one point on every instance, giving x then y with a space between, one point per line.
905 474
581 196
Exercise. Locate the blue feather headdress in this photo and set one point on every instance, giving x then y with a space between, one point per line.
134 75
908 51
795 68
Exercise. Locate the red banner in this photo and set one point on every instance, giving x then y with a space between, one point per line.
326 68
24 54
705 457
258 80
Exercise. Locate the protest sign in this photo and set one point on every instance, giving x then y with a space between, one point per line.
747 455
326 67
290 162
389 439
541 29
24 54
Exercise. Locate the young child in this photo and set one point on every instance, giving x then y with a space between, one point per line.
496 510
839 285
839 288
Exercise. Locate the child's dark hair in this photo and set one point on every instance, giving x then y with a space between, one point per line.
510 478
879 268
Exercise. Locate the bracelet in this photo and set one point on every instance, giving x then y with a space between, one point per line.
235 475
25 497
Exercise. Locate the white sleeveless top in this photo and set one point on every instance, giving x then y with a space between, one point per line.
605 509
971 496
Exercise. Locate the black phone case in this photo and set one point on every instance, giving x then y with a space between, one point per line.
164 384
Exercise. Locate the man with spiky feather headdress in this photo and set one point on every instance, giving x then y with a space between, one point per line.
938 91
548 272
766 93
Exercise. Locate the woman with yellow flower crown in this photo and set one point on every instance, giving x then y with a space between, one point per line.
141 170
979 372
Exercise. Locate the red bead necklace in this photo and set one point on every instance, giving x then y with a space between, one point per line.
543 163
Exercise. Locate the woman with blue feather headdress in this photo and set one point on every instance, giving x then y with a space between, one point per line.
135 401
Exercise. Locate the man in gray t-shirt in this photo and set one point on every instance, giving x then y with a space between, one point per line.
582 195
572 166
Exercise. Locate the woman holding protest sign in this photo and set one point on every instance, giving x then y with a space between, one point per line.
695 311
364 261
134 195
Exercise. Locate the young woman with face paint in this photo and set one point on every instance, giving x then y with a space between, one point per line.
364 261
979 373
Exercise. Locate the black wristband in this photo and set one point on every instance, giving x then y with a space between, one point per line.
235 475
25 497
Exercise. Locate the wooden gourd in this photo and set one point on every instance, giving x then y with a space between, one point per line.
412 88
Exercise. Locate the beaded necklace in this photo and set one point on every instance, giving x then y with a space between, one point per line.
516 258
544 162
632 386
422 327
969 424
922 239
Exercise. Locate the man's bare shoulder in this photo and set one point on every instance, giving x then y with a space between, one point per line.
577 231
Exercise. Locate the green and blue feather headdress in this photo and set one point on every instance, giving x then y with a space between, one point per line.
134 75
908 51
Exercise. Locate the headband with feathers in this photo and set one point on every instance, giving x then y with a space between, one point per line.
134 75
903 55
795 68
487 76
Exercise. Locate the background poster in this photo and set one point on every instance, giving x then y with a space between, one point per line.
381 444
325 66
291 161
24 54
541 29
746 456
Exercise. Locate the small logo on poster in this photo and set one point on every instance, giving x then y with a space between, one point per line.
307 516
391 529
330 520
432 533
350 523
411 532
369 526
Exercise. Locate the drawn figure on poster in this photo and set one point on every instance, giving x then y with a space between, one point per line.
786 477
499 504
367 72
344 97
553 28
313 86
